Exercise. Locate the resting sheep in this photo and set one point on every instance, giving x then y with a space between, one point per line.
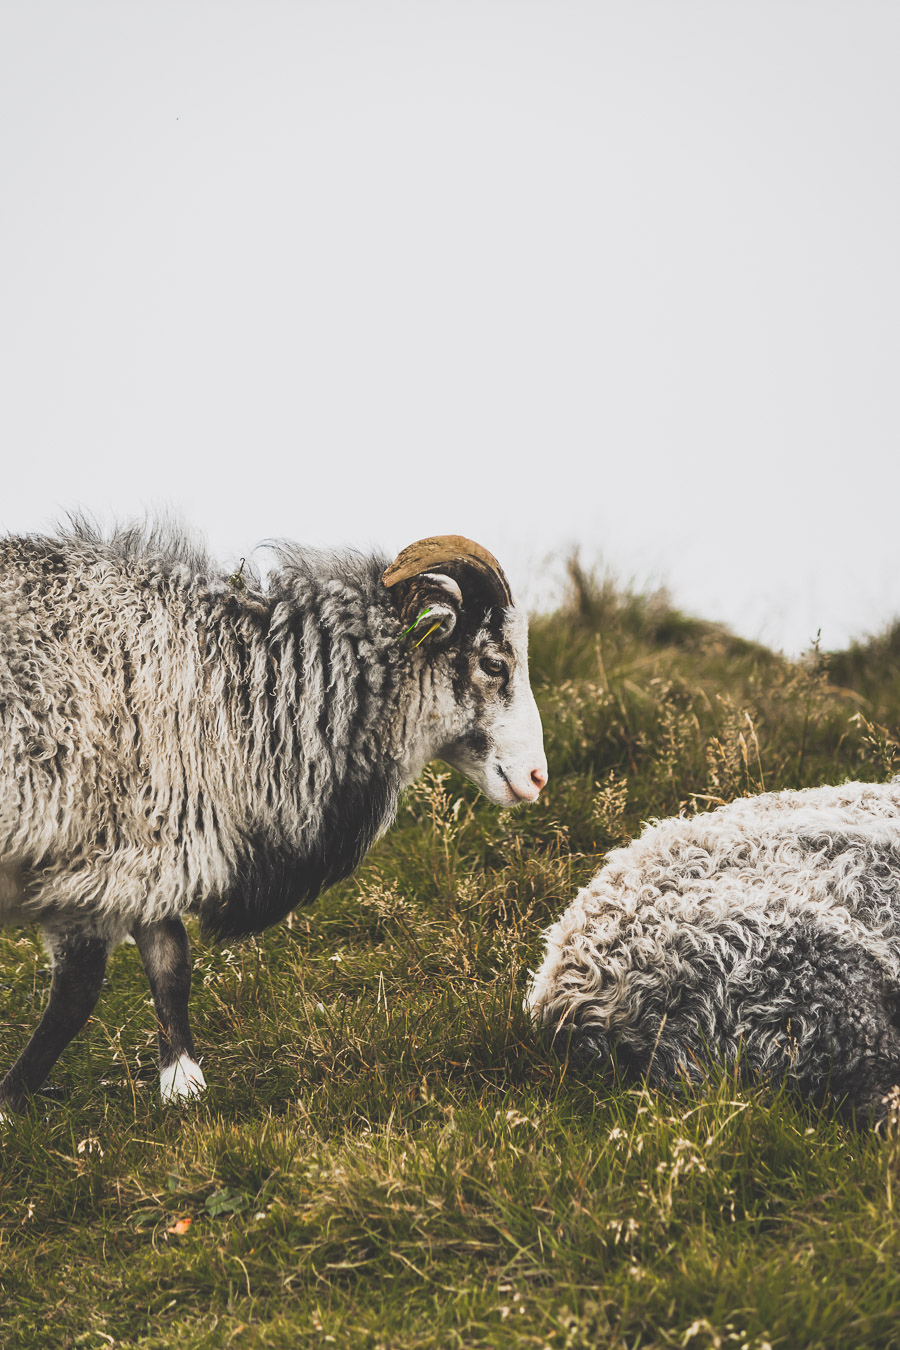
176 741
765 933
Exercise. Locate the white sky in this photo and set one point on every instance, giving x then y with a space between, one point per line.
541 272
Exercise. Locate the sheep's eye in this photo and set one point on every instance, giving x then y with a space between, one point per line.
491 666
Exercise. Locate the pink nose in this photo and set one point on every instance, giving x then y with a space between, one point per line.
539 778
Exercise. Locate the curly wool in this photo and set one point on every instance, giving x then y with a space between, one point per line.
171 740
765 933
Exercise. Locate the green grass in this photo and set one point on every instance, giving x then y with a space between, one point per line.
387 1157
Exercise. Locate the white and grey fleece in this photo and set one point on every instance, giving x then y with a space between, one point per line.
171 743
766 932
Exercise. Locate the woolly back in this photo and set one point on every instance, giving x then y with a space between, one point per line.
175 738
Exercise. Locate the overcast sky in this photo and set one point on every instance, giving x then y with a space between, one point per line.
622 275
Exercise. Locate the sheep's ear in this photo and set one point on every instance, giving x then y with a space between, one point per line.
434 622
429 610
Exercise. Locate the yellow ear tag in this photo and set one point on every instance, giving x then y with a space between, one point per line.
431 630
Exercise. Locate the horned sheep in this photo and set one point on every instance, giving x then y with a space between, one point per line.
175 740
765 934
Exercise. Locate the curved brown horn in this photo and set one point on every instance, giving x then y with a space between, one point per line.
428 555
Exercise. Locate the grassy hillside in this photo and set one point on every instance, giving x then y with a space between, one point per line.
387 1157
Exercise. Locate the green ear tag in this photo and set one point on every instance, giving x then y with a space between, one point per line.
423 614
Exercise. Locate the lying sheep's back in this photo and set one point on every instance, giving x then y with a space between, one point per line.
713 922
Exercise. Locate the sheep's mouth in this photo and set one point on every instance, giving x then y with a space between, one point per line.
517 796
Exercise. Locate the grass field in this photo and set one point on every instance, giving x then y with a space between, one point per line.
387 1157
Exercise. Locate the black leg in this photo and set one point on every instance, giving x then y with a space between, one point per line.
166 955
79 962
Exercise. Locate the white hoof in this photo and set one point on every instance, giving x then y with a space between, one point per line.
181 1080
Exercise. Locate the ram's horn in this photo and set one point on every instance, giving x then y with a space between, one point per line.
429 555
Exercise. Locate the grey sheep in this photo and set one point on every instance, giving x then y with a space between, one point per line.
765 933
177 741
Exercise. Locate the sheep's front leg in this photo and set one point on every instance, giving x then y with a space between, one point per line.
166 956
79 963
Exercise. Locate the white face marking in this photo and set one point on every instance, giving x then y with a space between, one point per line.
181 1080
511 767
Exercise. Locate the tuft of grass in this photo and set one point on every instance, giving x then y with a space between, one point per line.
388 1156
